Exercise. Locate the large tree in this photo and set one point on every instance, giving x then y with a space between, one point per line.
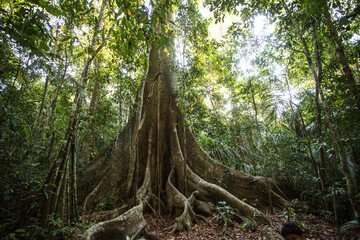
156 162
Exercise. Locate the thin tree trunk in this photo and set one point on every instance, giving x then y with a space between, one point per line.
42 104
261 145
341 51
322 172
89 143
255 108
333 126
336 221
308 146
52 118
59 167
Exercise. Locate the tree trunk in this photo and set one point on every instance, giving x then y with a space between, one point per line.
339 146
169 171
52 116
333 126
260 143
89 139
303 128
61 185
342 56
322 170
314 164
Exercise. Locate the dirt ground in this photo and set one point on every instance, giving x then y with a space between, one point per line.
315 227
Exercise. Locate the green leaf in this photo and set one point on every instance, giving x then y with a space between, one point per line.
43 48
20 79
54 11
42 3
353 224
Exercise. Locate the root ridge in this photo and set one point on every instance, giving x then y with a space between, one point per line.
177 200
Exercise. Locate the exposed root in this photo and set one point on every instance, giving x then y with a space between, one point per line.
177 200
213 191
91 196
234 181
130 224
105 215
204 207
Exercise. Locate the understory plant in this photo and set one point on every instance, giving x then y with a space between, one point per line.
289 215
224 214
249 225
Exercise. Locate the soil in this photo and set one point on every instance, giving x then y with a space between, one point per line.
316 228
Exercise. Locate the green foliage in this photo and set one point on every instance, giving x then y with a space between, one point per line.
289 215
25 24
249 225
58 229
20 180
350 225
224 214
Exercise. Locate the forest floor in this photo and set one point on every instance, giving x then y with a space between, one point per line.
316 228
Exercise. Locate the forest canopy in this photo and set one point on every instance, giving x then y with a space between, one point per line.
121 106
